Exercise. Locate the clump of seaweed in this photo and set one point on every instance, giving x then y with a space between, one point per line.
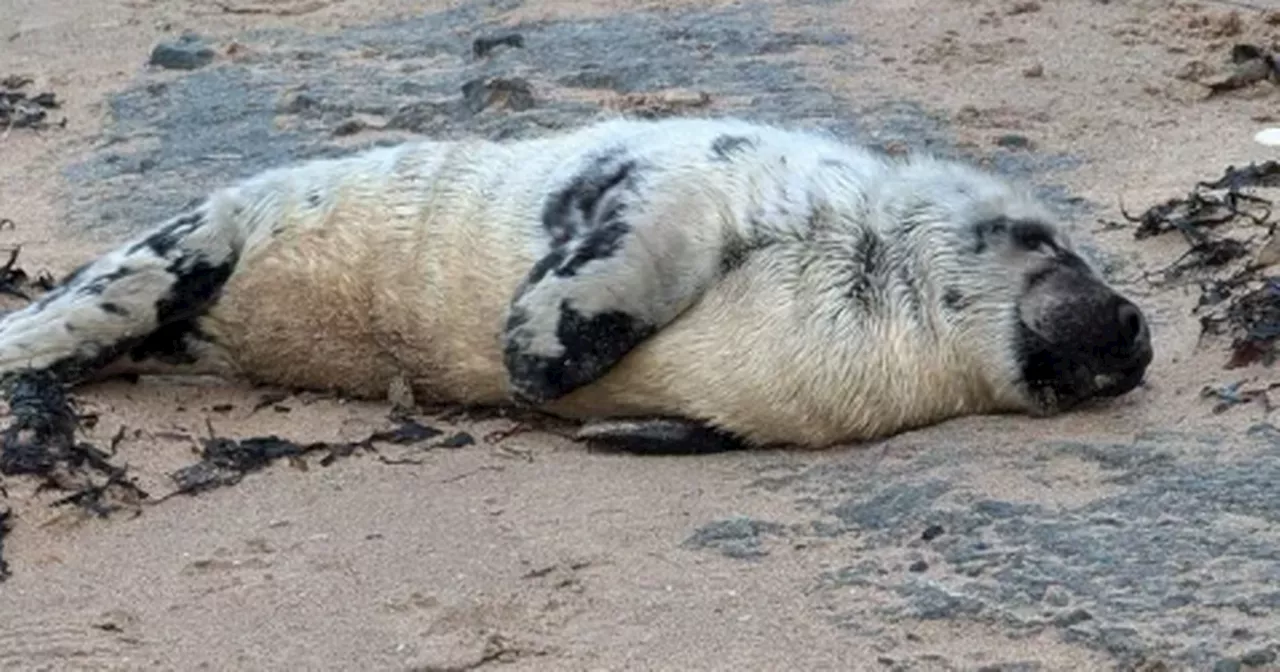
14 281
1232 243
18 110
4 530
40 440
225 461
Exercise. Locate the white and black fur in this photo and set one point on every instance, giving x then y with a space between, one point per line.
679 283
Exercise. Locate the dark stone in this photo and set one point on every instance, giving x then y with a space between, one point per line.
932 532
458 440
511 93
1014 141
1258 658
1073 617
188 52
483 46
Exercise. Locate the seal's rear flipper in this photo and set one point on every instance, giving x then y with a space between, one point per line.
659 436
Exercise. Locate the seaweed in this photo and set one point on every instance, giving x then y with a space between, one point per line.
225 461
41 440
1238 299
18 110
4 530
14 280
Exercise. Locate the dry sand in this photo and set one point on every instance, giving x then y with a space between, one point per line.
1138 535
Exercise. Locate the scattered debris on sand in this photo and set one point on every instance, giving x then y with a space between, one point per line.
483 46
41 441
225 461
1232 244
18 110
511 93
1250 64
4 530
1231 394
278 8
659 104
14 281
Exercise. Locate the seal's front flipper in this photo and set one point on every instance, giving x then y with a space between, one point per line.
659 436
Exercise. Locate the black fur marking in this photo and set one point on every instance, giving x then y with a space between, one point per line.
83 365
63 286
584 195
545 265
114 308
1073 260
661 436
586 217
600 243
197 284
725 146
870 252
986 229
99 285
1081 338
1032 235
733 256
955 300
1056 375
1026 234
915 297
1039 276
867 258
169 343
163 241
592 345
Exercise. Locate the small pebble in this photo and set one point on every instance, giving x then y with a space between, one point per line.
1227 665
1071 618
512 93
483 45
1013 141
1268 136
1057 596
188 52
1034 71
932 532
918 566
1258 658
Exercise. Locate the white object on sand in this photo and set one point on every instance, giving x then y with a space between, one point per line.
1268 136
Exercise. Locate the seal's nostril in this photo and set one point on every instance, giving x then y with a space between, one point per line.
1133 327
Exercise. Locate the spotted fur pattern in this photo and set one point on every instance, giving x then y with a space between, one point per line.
718 277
